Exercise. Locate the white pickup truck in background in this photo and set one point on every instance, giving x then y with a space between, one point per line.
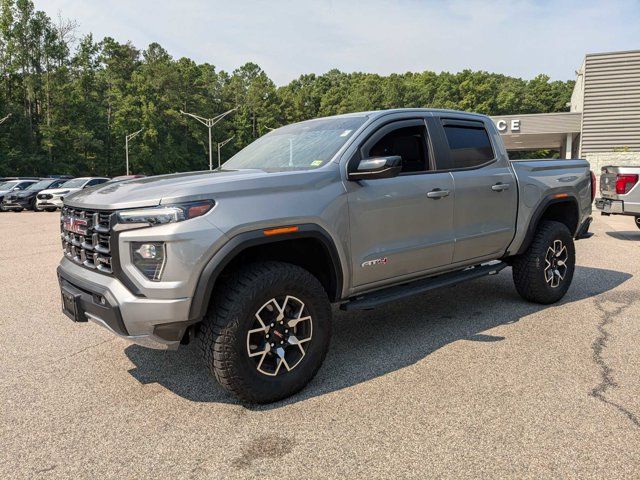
620 193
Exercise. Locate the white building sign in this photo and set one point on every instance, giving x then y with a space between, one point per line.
504 127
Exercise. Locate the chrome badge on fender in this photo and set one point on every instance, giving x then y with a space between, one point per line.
375 261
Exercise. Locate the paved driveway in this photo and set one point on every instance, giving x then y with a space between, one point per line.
468 381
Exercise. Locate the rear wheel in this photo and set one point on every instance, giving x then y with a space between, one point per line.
544 272
638 222
267 331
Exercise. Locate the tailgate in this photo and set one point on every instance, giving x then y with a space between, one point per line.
627 176
608 185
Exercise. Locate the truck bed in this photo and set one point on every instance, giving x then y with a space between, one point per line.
540 180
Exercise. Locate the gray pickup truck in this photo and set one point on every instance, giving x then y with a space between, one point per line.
356 210
620 192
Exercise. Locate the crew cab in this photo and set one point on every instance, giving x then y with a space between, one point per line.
620 193
356 210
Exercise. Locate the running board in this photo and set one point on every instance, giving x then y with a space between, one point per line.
380 297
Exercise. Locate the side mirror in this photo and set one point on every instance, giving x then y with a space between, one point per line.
377 167
17 188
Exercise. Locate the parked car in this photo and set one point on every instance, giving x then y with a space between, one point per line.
358 210
13 186
52 199
620 192
26 199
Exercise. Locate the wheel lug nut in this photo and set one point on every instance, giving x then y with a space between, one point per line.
281 342
273 324
286 331
266 336
273 344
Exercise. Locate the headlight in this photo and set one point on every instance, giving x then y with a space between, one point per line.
166 214
149 258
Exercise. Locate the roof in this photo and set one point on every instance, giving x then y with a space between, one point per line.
379 113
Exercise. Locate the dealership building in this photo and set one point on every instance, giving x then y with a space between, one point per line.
603 124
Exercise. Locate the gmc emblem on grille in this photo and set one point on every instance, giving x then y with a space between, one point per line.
76 225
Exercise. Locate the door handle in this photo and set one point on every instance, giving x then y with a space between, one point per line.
438 193
498 187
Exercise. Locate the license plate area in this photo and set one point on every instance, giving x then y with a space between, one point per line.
71 305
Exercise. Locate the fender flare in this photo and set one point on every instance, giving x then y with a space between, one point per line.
537 215
243 241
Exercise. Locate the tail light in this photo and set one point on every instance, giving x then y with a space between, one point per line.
625 182
593 186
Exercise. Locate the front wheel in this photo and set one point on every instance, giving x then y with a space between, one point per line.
267 331
638 222
544 272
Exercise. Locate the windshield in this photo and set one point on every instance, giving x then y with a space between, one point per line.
300 146
8 185
40 185
75 183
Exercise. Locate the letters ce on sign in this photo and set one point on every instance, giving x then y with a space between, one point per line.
505 126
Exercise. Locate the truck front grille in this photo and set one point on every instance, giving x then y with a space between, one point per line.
86 237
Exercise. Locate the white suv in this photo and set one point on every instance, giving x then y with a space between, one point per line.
52 199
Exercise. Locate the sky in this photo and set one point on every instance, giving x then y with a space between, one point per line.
288 38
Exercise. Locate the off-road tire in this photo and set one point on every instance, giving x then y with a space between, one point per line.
529 268
637 219
223 332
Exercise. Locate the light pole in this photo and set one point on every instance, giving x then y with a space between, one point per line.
209 123
126 144
220 145
2 120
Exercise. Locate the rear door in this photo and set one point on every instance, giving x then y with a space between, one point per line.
398 226
486 191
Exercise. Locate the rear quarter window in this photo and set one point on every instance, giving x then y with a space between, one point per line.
469 146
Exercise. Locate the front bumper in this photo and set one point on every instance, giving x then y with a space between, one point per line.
154 323
50 202
617 207
16 203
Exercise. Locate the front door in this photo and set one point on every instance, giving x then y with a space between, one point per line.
400 226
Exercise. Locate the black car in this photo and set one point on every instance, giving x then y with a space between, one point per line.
19 200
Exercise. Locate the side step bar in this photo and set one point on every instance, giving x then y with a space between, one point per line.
380 297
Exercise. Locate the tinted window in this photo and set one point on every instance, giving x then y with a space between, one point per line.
469 146
96 181
408 143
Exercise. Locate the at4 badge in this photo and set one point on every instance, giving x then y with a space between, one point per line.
375 261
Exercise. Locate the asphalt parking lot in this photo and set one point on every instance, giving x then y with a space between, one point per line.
468 381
